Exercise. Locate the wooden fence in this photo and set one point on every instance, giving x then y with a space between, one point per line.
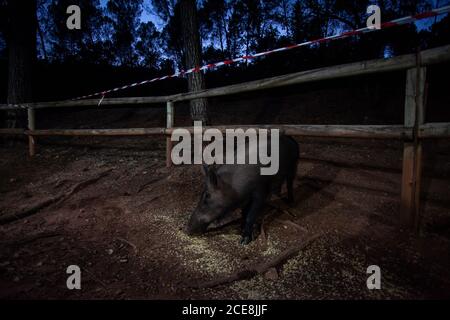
412 132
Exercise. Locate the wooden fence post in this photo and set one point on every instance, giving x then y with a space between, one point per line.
170 122
31 126
412 150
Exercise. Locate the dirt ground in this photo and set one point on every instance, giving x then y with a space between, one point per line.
112 208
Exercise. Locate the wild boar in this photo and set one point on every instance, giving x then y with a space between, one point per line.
231 186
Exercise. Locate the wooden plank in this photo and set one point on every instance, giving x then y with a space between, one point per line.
31 126
435 130
421 97
335 131
408 172
412 150
98 132
12 131
418 168
407 193
170 122
352 69
141 102
349 131
410 98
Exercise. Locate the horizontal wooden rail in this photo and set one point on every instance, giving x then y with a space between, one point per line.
106 102
98 132
430 56
337 131
12 131
435 130
350 131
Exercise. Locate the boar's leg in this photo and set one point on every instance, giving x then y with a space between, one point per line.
255 208
290 189
290 183
244 212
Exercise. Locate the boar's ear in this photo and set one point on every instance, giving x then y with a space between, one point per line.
211 178
205 169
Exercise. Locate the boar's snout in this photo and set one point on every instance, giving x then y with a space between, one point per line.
195 227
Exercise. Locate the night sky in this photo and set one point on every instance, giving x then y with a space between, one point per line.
147 15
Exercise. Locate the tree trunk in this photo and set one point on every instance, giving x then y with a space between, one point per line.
42 40
21 42
192 51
